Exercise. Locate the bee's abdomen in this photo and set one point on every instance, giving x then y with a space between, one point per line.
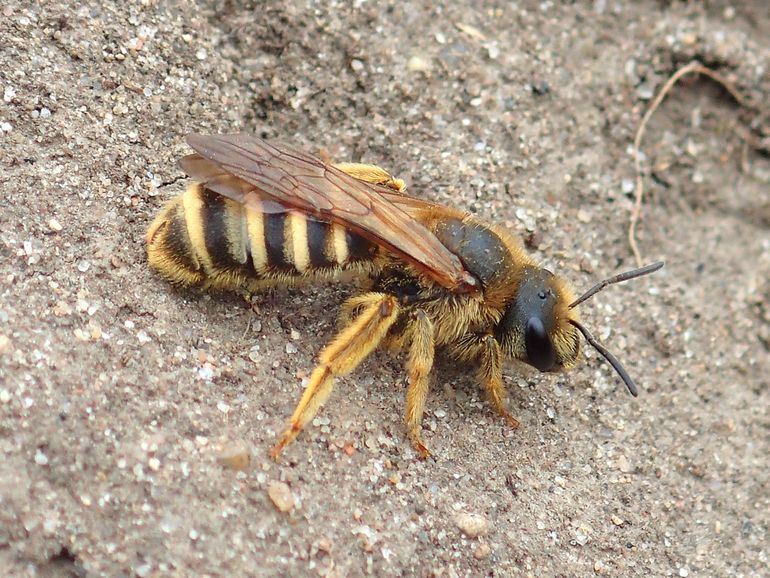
202 238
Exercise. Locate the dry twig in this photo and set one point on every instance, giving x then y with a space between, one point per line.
693 67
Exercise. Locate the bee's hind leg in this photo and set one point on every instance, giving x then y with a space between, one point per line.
349 348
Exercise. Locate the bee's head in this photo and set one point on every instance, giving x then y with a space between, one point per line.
537 326
541 327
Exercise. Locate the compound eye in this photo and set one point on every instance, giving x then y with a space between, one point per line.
540 351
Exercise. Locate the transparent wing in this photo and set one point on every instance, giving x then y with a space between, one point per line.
249 170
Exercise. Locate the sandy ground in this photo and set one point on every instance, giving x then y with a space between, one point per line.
118 393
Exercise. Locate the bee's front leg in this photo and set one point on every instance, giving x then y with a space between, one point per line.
484 349
491 376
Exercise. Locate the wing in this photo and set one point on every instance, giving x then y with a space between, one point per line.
248 170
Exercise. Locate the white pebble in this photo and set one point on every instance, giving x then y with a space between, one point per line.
418 64
583 216
281 496
41 459
627 186
205 372
143 337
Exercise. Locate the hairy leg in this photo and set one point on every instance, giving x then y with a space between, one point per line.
491 376
418 367
348 349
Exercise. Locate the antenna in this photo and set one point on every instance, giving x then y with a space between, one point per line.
619 278
611 359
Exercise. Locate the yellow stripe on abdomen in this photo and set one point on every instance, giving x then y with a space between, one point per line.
339 243
296 241
255 227
193 213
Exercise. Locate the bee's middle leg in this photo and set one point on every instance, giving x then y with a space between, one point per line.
418 366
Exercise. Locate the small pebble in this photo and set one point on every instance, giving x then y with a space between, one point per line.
418 64
483 551
684 572
143 337
581 538
624 465
206 372
281 496
5 342
55 225
645 91
235 455
617 520
472 525
584 216
41 459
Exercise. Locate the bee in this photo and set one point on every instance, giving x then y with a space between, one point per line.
434 278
